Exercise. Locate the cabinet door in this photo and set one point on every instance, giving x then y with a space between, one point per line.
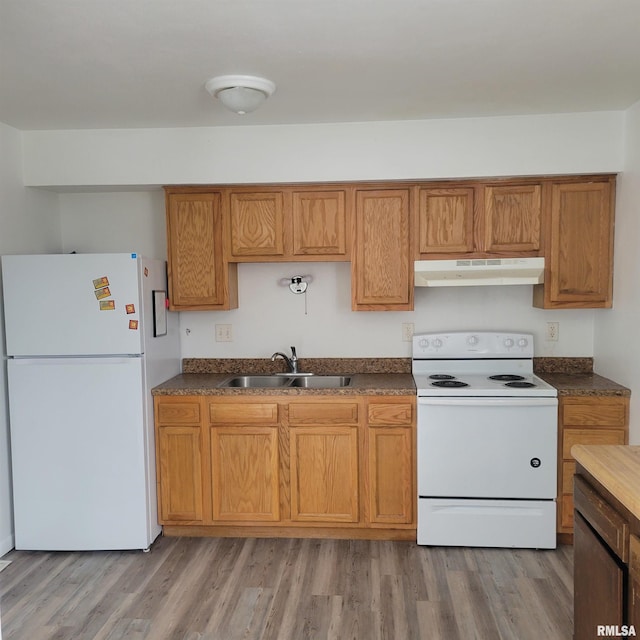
245 473
180 474
598 584
585 420
445 221
320 224
390 457
324 474
391 495
512 217
257 224
382 272
579 272
199 276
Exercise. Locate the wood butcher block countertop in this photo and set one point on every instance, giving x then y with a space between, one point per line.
616 468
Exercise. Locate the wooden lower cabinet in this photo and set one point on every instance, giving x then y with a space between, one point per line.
179 460
605 563
585 420
244 458
391 468
287 465
244 473
599 580
324 474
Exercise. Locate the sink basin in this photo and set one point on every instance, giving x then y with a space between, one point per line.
322 382
256 382
278 381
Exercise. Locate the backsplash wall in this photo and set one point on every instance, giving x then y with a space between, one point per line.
271 318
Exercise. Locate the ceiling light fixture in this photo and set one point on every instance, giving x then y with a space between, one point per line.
241 94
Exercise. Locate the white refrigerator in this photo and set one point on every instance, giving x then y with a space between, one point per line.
87 337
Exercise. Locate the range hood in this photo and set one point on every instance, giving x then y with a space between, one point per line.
473 273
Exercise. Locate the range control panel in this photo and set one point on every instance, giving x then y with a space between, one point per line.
472 344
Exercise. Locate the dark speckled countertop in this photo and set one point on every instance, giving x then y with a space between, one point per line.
369 376
575 377
584 384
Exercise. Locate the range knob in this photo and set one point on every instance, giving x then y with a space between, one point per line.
473 340
423 343
509 343
437 343
523 342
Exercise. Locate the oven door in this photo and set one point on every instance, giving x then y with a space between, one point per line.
500 448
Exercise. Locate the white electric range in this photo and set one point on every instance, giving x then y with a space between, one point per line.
487 441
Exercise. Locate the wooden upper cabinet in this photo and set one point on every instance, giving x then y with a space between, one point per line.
478 221
287 224
579 253
199 275
445 221
256 221
319 221
512 217
382 265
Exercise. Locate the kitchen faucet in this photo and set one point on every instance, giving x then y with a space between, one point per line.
292 362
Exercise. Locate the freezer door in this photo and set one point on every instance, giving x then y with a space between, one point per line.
80 458
72 304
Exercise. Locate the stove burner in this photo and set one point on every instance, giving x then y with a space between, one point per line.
449 383
441 376
506 377
520 384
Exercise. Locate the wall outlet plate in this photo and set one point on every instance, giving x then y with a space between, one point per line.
224 333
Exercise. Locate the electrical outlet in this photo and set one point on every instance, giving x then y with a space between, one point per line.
224 333
553 331
407 331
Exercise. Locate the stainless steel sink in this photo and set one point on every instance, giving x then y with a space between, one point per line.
322 382
256 382
278 381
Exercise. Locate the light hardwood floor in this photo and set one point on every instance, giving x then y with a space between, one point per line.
288 589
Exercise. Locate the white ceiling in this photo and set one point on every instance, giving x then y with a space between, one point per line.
73 64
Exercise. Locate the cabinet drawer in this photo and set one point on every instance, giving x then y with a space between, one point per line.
600 413
602 517
389 414
322 413
264 413
178 412
590 436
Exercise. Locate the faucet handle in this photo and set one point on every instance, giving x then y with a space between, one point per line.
293 353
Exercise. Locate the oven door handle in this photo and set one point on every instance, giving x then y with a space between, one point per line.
489 402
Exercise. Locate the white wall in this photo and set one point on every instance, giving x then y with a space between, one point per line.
271 318
519 145
30 223
115 222
617 352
